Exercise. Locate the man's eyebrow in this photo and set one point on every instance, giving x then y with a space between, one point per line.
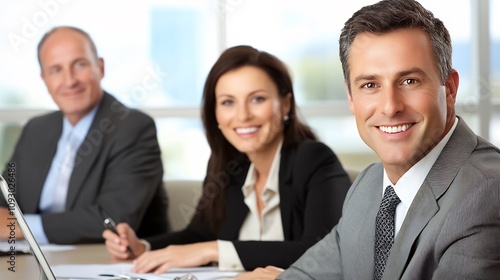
365 78
414 70
50 67
368 77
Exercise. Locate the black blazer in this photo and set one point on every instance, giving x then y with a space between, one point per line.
312 187
118 173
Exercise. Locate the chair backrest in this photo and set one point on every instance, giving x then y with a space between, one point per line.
353 173
183 197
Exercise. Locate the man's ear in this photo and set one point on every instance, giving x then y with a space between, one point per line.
451 85
100 64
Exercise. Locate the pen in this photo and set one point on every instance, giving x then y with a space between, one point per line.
120 276
110 224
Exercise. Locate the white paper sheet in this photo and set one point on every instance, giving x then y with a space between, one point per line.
24 247
96 270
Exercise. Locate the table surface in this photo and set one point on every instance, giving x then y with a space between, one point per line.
26 267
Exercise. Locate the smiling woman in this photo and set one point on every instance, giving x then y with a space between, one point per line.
271 189
249 110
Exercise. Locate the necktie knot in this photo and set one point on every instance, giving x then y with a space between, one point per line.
390 200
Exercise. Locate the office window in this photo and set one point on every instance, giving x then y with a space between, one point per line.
158 52
495 71
157 55
305 35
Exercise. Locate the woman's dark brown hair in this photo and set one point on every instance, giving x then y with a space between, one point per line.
225 159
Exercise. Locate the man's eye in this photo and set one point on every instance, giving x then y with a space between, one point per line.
369 85
81 64
410 81
54 71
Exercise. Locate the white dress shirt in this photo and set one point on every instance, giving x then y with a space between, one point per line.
264 227
79 131
409 184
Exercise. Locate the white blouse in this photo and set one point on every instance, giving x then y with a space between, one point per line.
264 227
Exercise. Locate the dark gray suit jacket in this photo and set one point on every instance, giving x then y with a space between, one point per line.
451 230
118 173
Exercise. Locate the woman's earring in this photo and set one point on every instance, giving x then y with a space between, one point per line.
286 118
218 126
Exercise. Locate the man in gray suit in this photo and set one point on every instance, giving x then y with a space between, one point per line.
92 159
396 58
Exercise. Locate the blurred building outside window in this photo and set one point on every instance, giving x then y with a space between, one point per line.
158 52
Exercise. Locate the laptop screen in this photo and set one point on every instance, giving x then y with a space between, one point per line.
17 216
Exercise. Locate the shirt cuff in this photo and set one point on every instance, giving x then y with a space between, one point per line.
147 244
35 223
228 257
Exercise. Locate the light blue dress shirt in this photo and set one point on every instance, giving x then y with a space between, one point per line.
79 131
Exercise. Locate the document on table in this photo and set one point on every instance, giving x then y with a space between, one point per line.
22 246
121 269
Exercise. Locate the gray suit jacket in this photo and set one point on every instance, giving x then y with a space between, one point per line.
451 231
118 173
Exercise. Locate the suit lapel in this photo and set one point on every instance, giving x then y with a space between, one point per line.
425 204
46 146
422 209
239 210
285 190
236 209
89 150
359 222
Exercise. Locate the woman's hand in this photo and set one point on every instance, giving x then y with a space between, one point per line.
117 244
191 255
267 273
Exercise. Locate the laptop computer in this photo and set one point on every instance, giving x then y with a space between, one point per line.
45 270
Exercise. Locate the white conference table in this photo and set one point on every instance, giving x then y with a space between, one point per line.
26 266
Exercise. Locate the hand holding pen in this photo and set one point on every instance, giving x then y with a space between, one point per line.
110 224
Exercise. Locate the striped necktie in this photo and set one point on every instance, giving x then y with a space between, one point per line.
65 171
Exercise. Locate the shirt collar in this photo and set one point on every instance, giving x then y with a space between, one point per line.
81 128
409 184
272 182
